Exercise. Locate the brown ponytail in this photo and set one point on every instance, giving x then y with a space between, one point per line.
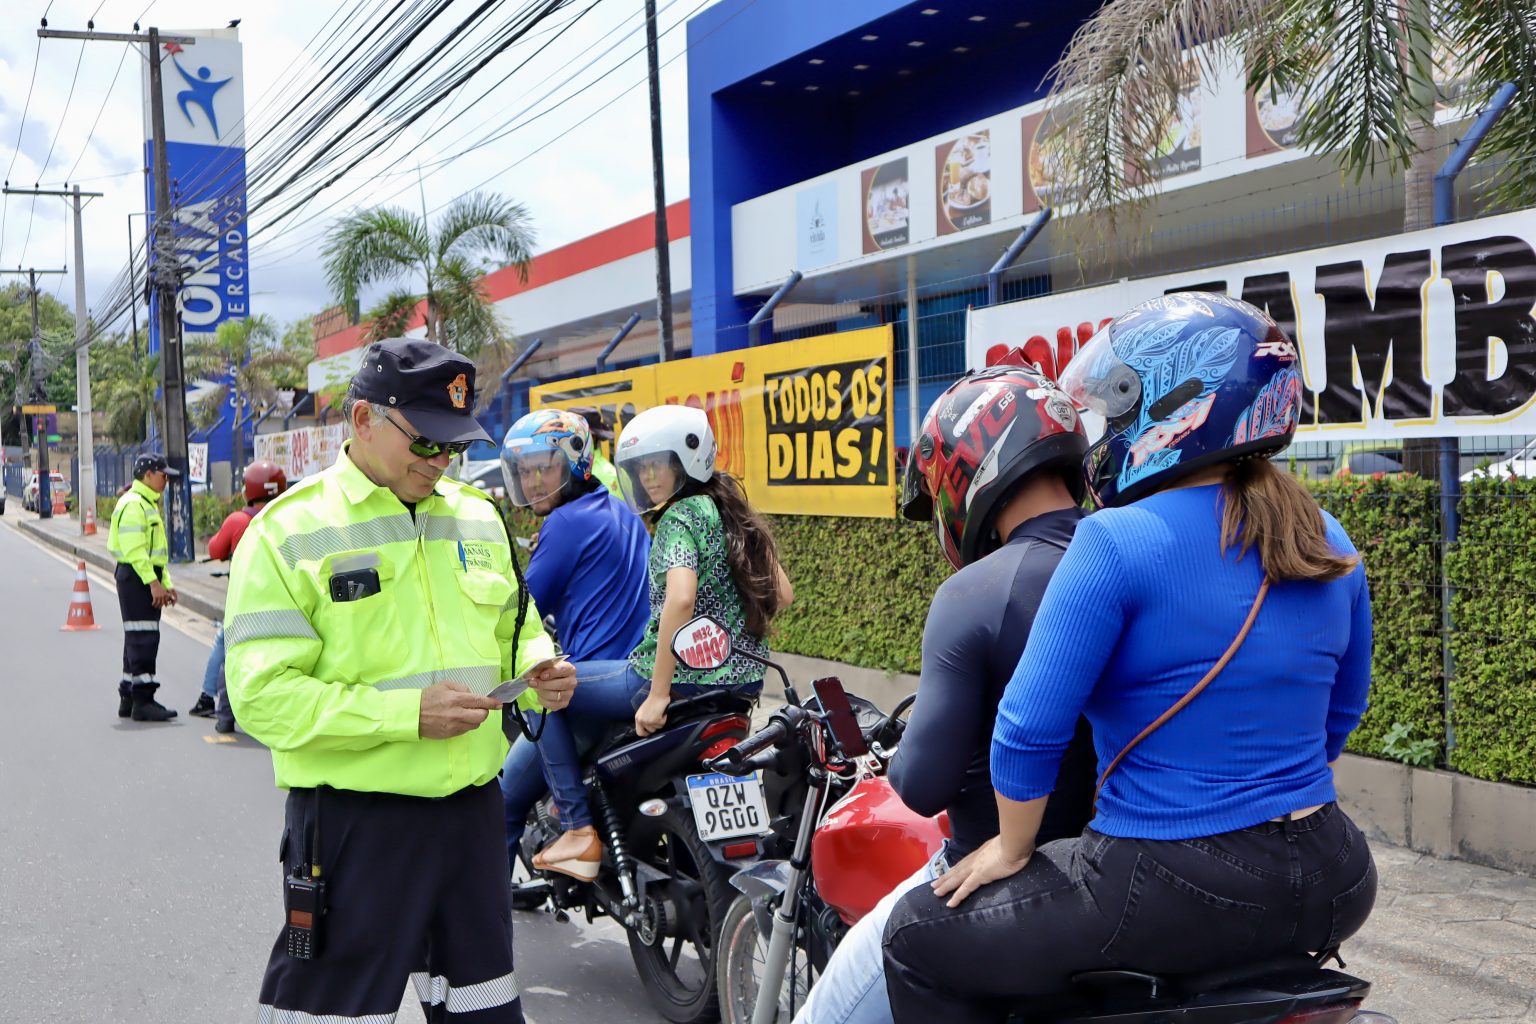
750 550
1272 511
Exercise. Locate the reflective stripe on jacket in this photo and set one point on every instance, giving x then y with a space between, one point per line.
334 687
137 537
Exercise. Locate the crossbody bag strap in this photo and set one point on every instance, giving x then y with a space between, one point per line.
1194 691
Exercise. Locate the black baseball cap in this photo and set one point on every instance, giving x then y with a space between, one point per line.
432 385
150 461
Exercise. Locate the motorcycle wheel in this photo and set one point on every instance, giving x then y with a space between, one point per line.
677 966
743 951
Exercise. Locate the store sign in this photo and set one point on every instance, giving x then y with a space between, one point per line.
197 463
887 206
806 425
816 226
300 453
1426 334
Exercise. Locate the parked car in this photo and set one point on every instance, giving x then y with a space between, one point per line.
1367 458
60 488
1521 463
486 475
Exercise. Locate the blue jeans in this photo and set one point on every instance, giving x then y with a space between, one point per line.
606 691
852 988
215 664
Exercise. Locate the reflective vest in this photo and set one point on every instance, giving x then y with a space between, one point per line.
137 537
333 686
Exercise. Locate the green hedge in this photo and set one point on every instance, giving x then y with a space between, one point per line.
208 513
1395 524
862 588
1493 687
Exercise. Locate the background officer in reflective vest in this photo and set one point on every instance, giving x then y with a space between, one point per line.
137 541
372 609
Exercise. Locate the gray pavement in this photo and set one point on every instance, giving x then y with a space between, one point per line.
140 860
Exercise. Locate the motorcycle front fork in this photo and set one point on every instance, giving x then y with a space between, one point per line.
781 939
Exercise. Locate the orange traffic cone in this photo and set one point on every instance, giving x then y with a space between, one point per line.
89 530
80 615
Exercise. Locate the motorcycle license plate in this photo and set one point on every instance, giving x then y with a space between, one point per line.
726 806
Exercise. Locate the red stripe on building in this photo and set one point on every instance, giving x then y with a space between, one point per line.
609 246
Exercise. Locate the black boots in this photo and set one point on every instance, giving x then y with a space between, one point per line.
204 707
124 699
146 708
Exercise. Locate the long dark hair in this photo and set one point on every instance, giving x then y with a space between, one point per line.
1272 511
750 549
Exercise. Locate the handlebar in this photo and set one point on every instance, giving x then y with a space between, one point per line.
739 760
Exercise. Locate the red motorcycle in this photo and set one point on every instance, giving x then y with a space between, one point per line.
855 841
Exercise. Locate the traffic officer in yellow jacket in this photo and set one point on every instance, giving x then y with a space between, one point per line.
372 609
137 541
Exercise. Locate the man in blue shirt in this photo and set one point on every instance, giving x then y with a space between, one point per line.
587 571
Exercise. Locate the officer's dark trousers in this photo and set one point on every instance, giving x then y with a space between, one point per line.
1098 902
141 625
416 890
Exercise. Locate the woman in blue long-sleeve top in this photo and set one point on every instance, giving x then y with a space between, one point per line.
1216 840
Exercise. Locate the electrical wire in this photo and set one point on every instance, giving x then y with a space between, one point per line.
99 110
32 210
5 205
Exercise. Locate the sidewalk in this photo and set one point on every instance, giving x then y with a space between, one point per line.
1449 942
197 589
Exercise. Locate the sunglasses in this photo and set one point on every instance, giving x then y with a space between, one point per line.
421 447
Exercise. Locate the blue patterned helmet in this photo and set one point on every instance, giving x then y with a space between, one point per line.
550 450
1183 382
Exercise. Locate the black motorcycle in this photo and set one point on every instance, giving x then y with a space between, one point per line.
674 834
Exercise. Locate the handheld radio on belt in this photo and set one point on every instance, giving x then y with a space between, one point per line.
304 896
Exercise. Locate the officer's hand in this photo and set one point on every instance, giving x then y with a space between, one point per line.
159 597
450 709
554 683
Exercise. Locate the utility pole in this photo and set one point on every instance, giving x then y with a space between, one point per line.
166 280
39 393
663 250
86 484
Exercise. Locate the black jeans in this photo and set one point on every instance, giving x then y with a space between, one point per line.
1098 902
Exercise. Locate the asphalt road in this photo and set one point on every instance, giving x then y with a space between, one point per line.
138 863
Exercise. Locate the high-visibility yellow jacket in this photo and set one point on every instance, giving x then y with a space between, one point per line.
333 687
137 536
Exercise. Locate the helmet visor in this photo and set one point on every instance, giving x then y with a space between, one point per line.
536 476
651 480
1100 381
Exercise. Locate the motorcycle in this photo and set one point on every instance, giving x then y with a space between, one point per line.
673 835
856 841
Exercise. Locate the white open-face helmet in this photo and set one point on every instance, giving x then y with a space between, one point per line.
677 437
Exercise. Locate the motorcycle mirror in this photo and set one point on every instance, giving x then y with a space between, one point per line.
702 643
840 717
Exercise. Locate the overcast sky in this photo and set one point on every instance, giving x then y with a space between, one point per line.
586 176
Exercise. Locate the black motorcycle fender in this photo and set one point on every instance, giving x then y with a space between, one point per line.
764 883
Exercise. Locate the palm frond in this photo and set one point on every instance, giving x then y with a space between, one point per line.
1494 41
374 245
392 317
485 224
470 321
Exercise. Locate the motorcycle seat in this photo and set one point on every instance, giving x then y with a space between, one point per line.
679 712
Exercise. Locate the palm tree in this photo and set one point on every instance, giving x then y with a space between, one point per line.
250 353
1363 73
130 398
391 243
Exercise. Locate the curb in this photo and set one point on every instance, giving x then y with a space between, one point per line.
191 602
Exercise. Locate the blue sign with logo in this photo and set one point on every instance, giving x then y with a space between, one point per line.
204 104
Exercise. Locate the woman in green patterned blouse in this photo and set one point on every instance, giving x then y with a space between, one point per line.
712 554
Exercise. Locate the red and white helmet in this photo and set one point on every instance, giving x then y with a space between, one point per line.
264 480
983 435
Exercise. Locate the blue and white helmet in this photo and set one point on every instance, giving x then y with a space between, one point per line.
540 434
1184 381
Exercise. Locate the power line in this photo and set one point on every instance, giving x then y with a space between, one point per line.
99 110
74 79
5 206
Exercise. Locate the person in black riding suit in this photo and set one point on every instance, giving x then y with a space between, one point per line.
996 468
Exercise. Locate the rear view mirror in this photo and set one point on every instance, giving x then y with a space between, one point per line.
840 717
702 643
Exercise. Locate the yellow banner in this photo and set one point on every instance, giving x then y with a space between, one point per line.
806 425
